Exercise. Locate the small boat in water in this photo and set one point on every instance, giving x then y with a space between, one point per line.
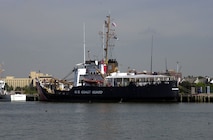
18 97
4 96
100 81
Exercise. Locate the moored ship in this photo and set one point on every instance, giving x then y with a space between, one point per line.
100 81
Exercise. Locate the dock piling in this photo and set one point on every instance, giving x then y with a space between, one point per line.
202 98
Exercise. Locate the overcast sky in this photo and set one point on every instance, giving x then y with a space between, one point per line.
47 35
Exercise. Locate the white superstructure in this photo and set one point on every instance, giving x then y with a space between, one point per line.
2 85
79 72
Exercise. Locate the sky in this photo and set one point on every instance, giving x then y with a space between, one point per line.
47 35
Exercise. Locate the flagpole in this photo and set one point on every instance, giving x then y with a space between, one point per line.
151 54
84 34
103 41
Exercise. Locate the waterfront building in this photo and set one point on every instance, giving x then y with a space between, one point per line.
17 82
22 82
41 76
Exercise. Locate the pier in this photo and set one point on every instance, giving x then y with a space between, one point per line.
32 97
205 98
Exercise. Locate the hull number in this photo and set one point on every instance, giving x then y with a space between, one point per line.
88 92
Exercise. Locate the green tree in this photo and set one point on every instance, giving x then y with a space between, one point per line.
18 89
29 90
8 88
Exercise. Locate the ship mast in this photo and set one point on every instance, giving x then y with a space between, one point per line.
151 54
84 42
1 70
108 35
107 25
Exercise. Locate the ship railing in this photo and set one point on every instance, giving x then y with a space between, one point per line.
139 81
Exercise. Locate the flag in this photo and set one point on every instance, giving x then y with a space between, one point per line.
115 37
114 24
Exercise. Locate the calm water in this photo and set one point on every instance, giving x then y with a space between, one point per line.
99 121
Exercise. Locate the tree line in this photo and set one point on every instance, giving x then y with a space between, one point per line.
26 90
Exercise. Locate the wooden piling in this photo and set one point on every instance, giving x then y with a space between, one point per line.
32 97
202 98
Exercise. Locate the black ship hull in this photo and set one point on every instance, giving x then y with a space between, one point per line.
164 91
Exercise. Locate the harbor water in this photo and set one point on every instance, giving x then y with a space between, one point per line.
105 121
